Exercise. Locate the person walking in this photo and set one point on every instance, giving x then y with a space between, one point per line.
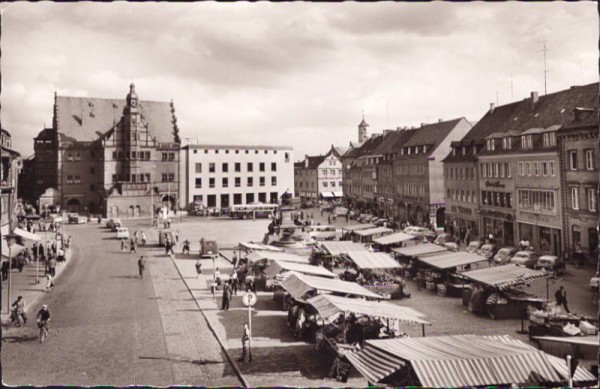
226 296
234 281
19 309
141 266
52 266
246 356
218 277
122 244
198 268
49 282
561 298
132 246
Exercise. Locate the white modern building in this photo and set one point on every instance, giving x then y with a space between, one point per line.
219 176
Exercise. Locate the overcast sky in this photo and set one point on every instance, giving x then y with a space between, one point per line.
298 74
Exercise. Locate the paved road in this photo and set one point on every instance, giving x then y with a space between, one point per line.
107 328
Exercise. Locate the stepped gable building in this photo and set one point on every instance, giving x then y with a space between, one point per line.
418 172
115 157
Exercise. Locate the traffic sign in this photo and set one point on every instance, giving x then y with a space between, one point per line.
249 299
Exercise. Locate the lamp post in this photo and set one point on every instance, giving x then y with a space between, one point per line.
10 240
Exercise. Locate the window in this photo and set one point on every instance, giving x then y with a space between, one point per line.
225 167
171 177
250 166
526 142
147 177
133 178
261 181
211 182
591 199
164 177
490 170
496 173
539 201
141 177
216 151
250 181
324 184
164 156
198 167
287 157
332 183
77 179
521 169
549 139
506 143
528 168
573 159
261 167
237 151
544 168
238 182
225 182
114 154
211 167
483 170
273 166
114 178
147 153
552 166
205 151
195 152
536 168
92 170
507 169
490 145
574 198
69 179
589 159
255 151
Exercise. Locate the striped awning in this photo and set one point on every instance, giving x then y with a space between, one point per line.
335 248
329 306
15 249
327 194
394 238
277 267
338 194
373 231
257 256
450 259
374 364
504 276
420 249
27 235
356 227
469 360
297 285
368 260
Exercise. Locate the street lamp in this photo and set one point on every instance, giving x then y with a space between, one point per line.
10 240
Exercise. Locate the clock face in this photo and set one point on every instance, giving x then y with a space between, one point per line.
133 103
133 120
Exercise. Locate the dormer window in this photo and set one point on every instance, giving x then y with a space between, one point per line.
549 139
453 151
464 150
490 145
408 150
506 143
402 151
424 149
526 142
416 149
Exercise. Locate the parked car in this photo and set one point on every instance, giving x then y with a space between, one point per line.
327 207
552 263
373 219
441 239
487 251
451 246
473 246
322 232
116 224
122 233
379 222
364 217
504 255
109 223
340 211
525 258
420 232
308 204
75 218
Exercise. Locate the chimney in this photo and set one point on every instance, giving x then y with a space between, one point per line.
423 124
305 160
385 132
534 99
440 120
492 107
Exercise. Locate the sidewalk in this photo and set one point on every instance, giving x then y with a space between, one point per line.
24 284
278 357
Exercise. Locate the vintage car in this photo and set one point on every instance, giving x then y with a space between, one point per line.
473 246
551 263
525 258
504 255
487 251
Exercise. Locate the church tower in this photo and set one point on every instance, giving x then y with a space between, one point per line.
362 130
132 128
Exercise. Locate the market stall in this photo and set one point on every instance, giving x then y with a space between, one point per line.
301 287
586 347
368 234
257 262
408 255
348 231
378 272
495 291
330 253
460 361
387 242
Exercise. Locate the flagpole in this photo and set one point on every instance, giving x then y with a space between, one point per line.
152 203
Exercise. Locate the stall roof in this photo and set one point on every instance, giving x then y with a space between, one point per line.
368 260
460 360
342 247
16 249
260 255
258 246
27 235
329 305
299 284
277 267
450 259
420 249
505 275
356 227
394 238
373 231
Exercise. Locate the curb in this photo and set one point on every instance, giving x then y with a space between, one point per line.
231 360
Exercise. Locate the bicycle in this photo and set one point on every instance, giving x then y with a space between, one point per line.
43 325
16 318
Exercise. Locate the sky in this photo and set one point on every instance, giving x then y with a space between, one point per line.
291 74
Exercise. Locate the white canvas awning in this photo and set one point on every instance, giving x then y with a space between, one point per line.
276 267
27 235
420 249
368 260
504 276
260 255
356 227
327 194
15 249
373 231
338 194
398 237
297 285
258 246
450 259
335 248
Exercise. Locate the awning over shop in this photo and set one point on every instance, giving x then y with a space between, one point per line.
398 237
260 255
420 249
27 235
16 249
298 285
504 276
450 259
338 194
327 195
328 306
335 248
356 227
373 231
277 267
461 361
368 260
258 246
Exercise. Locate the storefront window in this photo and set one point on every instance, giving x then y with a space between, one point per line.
545 239
526 232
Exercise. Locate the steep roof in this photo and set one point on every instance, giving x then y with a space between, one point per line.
87 119
314 162
395 140
370 145
432 134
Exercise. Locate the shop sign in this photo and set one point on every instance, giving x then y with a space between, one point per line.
459 209
494 184
534 217
497 214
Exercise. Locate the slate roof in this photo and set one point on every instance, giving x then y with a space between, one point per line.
86 119
394 140
314 162
432 134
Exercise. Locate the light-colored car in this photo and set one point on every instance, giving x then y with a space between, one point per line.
420 232
340 211
504 255
122 233
473 246
322 232
487 250
525 258
451 246
442 239
551 263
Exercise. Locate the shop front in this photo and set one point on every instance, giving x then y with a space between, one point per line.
500 226
543 233
462 220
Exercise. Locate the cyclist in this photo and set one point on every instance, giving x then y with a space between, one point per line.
141 266
43 317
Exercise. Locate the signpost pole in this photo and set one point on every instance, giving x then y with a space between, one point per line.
250 338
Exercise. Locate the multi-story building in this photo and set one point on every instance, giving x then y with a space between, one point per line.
319 177
219 176
348 156
9 171
578 150
116 157
418 172
361 176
